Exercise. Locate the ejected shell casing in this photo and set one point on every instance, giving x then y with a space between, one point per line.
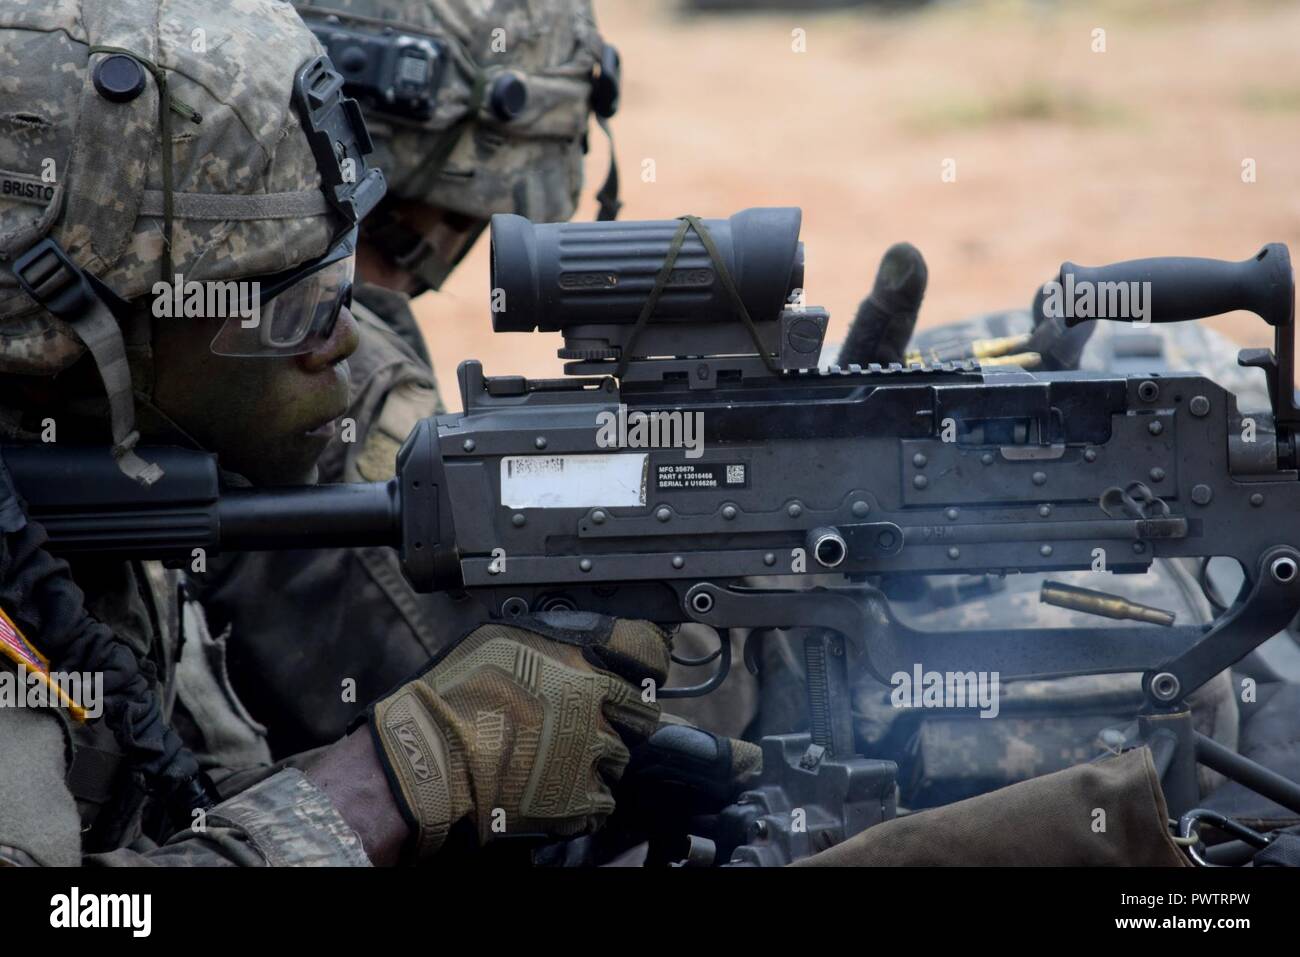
1101 603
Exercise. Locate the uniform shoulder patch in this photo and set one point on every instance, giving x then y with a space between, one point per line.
15 646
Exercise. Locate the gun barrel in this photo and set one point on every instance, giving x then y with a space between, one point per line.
86 504
319 516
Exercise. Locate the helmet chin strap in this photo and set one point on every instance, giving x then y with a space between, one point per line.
147 404
100 332
607 197
412 251
432 267
51 279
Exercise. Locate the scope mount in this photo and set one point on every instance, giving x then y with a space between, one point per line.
794 340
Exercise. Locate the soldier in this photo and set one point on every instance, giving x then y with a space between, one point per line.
152 149
500 128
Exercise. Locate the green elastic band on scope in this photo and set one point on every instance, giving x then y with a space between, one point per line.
661 283
166 105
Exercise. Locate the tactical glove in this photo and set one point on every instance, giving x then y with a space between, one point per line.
886 318
521 728
684 770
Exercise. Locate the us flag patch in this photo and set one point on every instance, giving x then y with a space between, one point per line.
18 649
15 646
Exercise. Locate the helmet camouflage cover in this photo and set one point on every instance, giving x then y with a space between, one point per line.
465 158
90 172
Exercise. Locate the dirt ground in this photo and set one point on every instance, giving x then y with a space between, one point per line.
1060 152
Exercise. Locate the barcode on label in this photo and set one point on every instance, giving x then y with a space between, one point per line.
528 466
574 481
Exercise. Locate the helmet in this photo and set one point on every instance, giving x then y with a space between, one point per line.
149 138
476 107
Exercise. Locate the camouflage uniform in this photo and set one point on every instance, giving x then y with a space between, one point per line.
467 160
238 153
307 693
530 165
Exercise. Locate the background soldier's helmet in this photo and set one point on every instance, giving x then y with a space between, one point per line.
476 107
84 158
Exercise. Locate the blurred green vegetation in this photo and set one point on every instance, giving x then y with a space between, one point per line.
1272 99
1030 102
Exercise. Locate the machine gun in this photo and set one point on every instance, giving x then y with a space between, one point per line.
697 465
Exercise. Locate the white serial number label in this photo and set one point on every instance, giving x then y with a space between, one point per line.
574 481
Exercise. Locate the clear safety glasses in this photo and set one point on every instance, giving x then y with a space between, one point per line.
290 313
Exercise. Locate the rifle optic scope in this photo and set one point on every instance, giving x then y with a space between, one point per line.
556 276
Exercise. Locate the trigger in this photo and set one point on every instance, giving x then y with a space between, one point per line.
751 651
